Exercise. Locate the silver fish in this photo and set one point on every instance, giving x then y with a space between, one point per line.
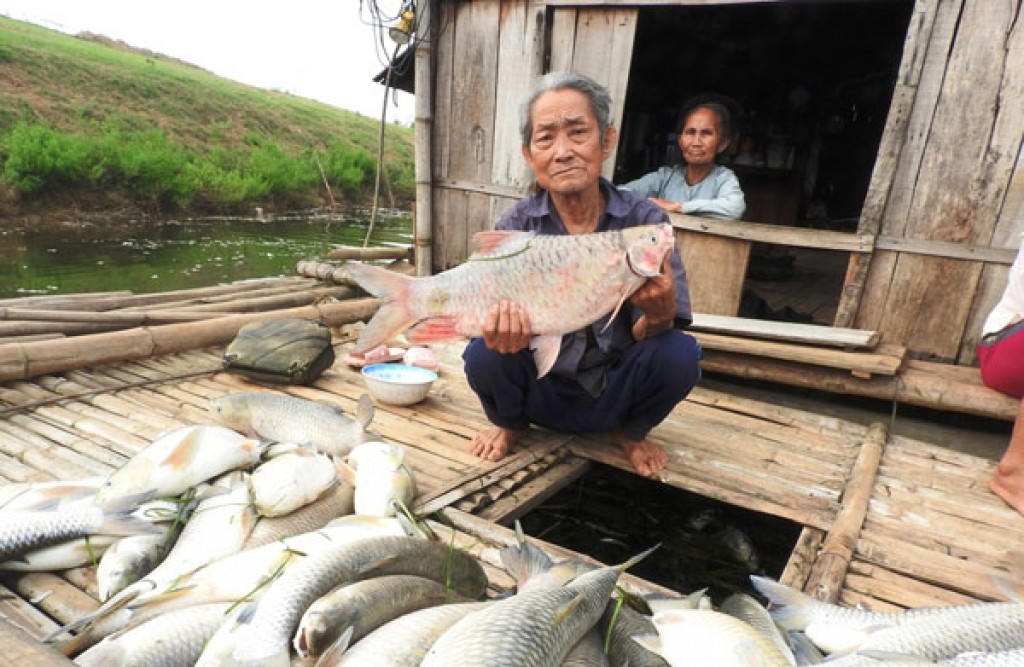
66 555
259 633
128 560
32 495
354 610
331 505
534 628
623 624
403 642
382 480
836 629
181 459
588 652
564 282
708 637
27 530
296 420
175 639
940 637
747 609
240 576
291 480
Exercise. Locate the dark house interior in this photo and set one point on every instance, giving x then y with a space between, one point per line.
809 85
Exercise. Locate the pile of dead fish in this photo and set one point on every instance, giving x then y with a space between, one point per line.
278 532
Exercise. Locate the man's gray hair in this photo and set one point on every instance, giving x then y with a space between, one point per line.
597 95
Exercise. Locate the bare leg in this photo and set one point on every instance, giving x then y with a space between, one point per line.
1008 480
493 444
647 458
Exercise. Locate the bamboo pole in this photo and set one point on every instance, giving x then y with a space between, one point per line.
826 580
130 318
365 254
26 360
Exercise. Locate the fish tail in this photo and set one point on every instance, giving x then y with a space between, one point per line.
524 560
124 523
637 558
790 603
393 316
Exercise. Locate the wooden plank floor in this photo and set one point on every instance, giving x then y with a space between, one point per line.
933 534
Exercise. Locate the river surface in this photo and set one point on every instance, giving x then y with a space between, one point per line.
148 256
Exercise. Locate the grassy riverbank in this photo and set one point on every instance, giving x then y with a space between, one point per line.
89 123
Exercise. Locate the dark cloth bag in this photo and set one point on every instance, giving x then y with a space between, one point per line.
287 350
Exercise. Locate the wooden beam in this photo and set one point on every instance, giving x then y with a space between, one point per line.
926 384
886 361
798 237
792 332
948 250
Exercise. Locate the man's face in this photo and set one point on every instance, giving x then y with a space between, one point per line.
566 149
701 139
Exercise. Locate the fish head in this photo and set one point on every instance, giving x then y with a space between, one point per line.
647 246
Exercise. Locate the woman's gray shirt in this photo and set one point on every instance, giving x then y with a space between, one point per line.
717 196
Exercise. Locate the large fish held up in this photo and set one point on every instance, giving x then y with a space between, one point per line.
564 282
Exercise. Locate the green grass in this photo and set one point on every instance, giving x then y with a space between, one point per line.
86 115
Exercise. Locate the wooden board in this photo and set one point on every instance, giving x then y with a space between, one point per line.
885 360
790 332
716 268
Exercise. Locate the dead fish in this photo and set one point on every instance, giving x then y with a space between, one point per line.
564 282
620 623
532 568
354 610
403 642
832 628
336 502
536 627
260 632
129 559
296 420
181 459
32 495
291 480
945 636
747 609
26 530
66 555
708 637
172 640
382 480
240 576
588 652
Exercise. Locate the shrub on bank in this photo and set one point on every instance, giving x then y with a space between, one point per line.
36 159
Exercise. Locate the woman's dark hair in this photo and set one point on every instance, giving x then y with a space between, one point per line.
720 110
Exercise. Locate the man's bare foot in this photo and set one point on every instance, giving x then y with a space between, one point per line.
1008 483
647 458
494 443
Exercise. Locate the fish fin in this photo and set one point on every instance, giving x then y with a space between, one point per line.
333 653
524 560
345 471
364 411
566 611
393 315
126 503
186 451
790 603
119 601
637 558
545 352
611 318
658 603
497 243
372 565
433 330
124 523
650 642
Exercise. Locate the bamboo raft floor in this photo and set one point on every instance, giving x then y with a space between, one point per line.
914 526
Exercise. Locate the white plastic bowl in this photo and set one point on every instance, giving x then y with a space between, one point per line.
398 384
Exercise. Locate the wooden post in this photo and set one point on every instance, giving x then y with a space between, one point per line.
826 580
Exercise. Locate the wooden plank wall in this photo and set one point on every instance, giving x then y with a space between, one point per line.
489 54
954 178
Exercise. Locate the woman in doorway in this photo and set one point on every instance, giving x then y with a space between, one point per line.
1001 359
699 185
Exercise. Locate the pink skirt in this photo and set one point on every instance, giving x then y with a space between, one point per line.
1002 361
